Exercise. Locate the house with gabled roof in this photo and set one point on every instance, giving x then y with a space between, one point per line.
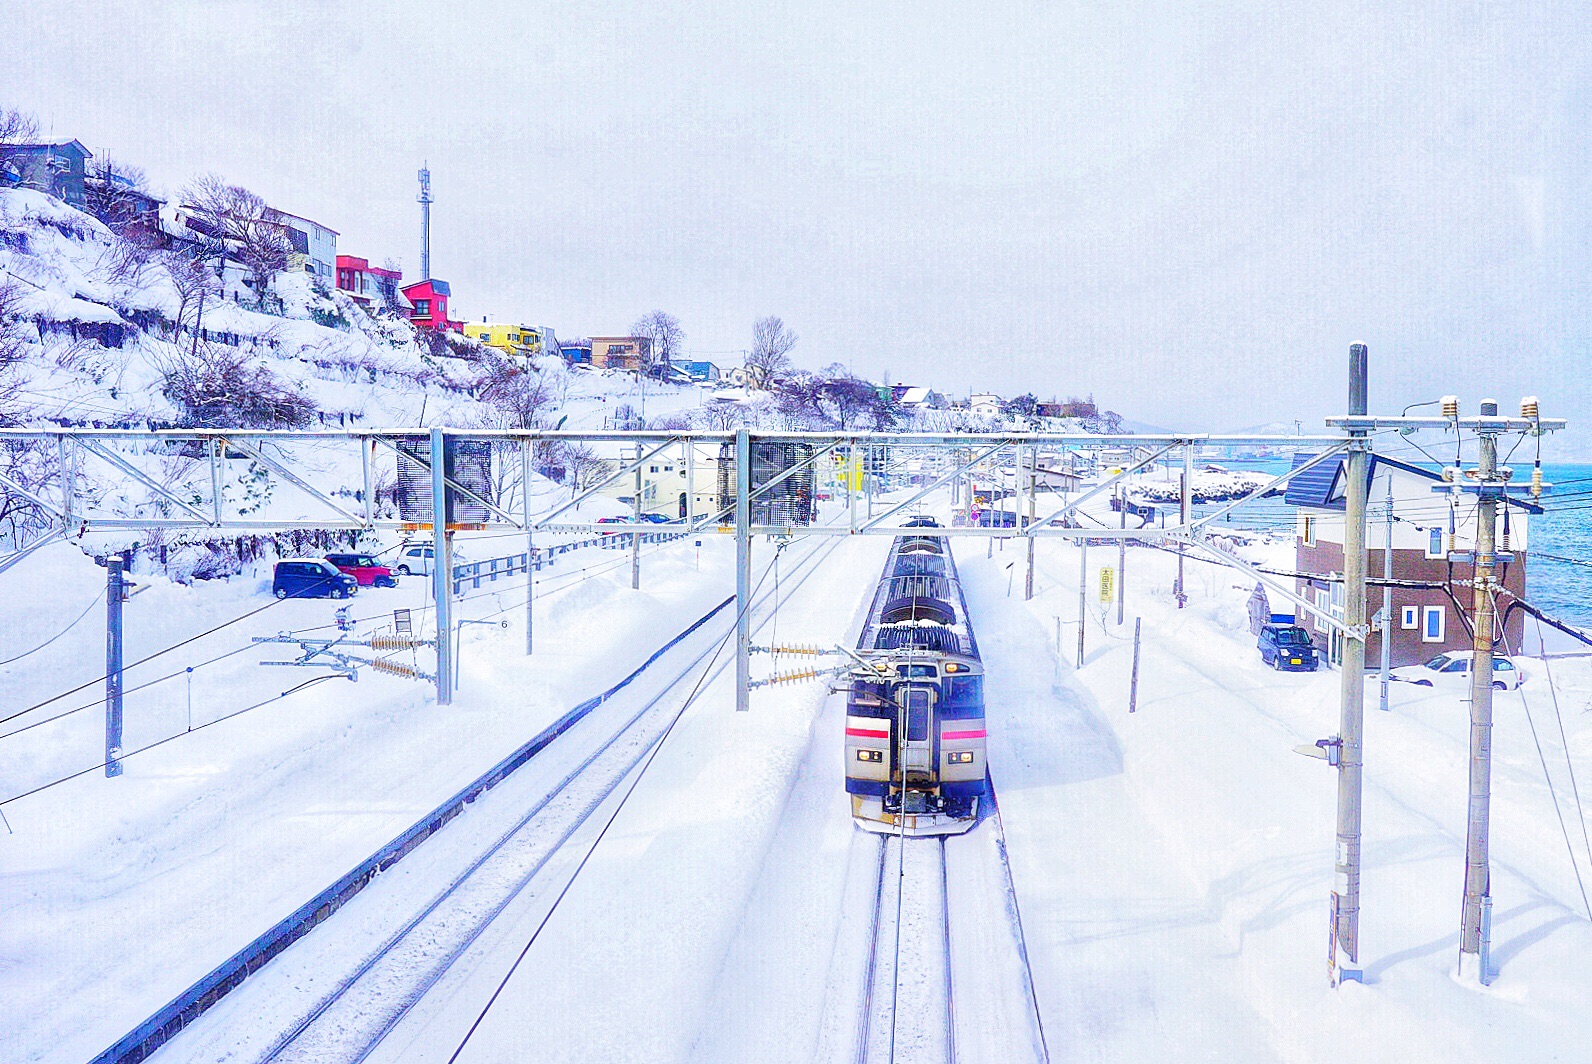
1433 533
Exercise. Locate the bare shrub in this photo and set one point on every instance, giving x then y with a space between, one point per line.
215 386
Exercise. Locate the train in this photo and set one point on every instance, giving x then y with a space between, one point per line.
915 734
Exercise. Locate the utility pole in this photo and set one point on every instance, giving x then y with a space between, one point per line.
1083 592
424 200
442 567
1387 598
743 568
530 539
1186 510
1346 896
1122 552
635 535
1475 918
114 597
1033 513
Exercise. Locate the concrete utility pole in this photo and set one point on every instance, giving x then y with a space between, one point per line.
1186 512
1476 912
1083 593
635 536
442 567
743 568
1033 514
1346 896
1387 598
1122 553
530 539
114 596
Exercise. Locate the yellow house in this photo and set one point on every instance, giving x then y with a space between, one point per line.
520 340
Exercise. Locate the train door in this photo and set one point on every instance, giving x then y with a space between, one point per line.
917 732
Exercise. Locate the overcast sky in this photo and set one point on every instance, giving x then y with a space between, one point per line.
1188 209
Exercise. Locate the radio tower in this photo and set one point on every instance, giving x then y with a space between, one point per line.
425 223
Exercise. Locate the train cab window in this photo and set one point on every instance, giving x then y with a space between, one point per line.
963 690
917 714
919 671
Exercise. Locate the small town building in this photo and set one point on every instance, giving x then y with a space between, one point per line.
314 248
521 341
370 285
986 406
58 169
700 371
621 352
576 352
429 298
1432 566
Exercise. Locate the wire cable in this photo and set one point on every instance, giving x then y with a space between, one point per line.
59 634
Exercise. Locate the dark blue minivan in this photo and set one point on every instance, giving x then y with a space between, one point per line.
1287 647
311 578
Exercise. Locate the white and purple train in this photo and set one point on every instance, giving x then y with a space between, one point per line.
915 710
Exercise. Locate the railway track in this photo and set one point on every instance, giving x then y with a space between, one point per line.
909 1004
349 1021
908 1011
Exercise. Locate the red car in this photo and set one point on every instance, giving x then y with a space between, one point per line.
363 567
612 521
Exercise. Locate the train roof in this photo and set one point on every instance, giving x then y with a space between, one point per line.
933 619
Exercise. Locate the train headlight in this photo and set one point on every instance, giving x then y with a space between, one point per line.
955 667
874 756
960 757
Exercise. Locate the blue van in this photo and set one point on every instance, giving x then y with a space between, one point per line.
1287 647
311 578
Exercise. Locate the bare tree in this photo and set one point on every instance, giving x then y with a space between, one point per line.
215 386
585 467
518 394
769 358
251 229
115 192
16 128
666 336
194 282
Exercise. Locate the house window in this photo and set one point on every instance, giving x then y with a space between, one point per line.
1309 532
1324 606
1434 543
422 308
1432 623
1409 618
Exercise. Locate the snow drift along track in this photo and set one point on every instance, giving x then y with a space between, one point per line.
148 1036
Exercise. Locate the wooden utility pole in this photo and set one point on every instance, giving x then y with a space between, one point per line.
1474 916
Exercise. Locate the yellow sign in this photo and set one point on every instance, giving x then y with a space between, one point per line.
1108 585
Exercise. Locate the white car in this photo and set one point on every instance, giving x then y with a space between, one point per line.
1452 669
417 559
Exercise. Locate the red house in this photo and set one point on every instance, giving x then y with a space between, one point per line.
367 283
430 300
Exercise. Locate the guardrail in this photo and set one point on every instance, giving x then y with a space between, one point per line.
472 573
154 1032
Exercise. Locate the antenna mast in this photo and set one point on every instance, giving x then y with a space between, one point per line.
425 223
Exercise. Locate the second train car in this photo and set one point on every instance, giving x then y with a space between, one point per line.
915 736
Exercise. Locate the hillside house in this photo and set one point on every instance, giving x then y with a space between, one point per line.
1426 620
700 371
314 247
429 298
576 352
910 397
58 169
521 341
370 285
621 352
986 406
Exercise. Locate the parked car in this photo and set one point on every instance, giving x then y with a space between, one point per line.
1452 669
612 521
364 568
418 559
656 519
311 578
1287 647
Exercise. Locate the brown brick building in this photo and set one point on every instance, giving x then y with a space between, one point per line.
1426 620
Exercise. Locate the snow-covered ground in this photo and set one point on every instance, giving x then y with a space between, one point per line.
1172 866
